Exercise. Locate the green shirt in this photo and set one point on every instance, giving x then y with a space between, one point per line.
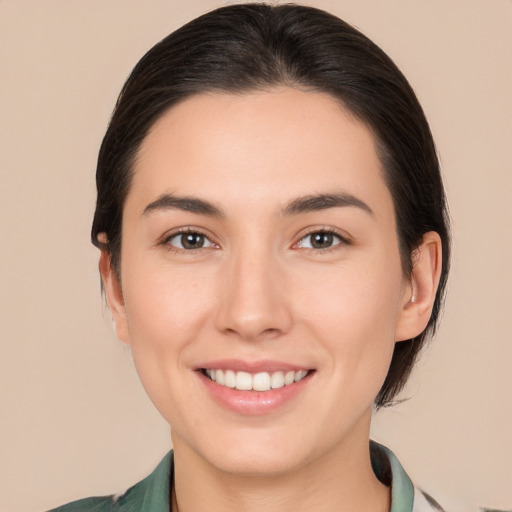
152 493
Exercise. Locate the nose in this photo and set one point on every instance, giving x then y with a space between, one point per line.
253 303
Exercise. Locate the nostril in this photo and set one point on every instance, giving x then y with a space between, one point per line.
249 334
271 333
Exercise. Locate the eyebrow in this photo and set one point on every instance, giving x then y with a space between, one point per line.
305 204
187 204
313 203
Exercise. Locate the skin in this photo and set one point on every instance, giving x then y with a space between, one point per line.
257 290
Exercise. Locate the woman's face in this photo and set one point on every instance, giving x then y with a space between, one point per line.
259 247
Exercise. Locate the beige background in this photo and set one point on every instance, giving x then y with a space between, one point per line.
74 420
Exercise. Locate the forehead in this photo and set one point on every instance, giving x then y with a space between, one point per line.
272 144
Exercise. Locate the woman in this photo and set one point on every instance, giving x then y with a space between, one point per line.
274 249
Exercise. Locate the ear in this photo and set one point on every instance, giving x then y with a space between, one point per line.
420 293
114 294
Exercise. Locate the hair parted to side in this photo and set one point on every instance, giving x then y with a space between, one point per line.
247 47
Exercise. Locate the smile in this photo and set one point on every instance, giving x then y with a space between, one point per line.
262 381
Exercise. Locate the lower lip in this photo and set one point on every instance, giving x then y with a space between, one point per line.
254 403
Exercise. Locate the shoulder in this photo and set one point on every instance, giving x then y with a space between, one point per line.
99 504
149 495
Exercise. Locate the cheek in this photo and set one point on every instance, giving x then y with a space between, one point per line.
354 314
166 312
164 309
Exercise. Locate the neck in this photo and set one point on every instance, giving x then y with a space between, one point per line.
338 481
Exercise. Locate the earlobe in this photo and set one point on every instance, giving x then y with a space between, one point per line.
114 294
420 295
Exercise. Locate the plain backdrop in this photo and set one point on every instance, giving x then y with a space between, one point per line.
74 419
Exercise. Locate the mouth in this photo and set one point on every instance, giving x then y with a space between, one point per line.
261 381
254 388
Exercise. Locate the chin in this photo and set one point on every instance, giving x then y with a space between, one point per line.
250 453
259 463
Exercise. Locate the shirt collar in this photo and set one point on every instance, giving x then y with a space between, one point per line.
389 471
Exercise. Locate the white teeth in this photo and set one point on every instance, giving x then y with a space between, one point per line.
262 381
230 379
289 378
219 376
277 380
243 381
300 375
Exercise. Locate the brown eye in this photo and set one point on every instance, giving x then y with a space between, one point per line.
320 240
189 241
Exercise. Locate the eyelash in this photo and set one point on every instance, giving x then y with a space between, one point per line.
342 240
184 231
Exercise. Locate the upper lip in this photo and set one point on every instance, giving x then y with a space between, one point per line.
239 365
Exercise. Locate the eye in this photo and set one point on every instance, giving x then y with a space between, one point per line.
189 240
320 240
